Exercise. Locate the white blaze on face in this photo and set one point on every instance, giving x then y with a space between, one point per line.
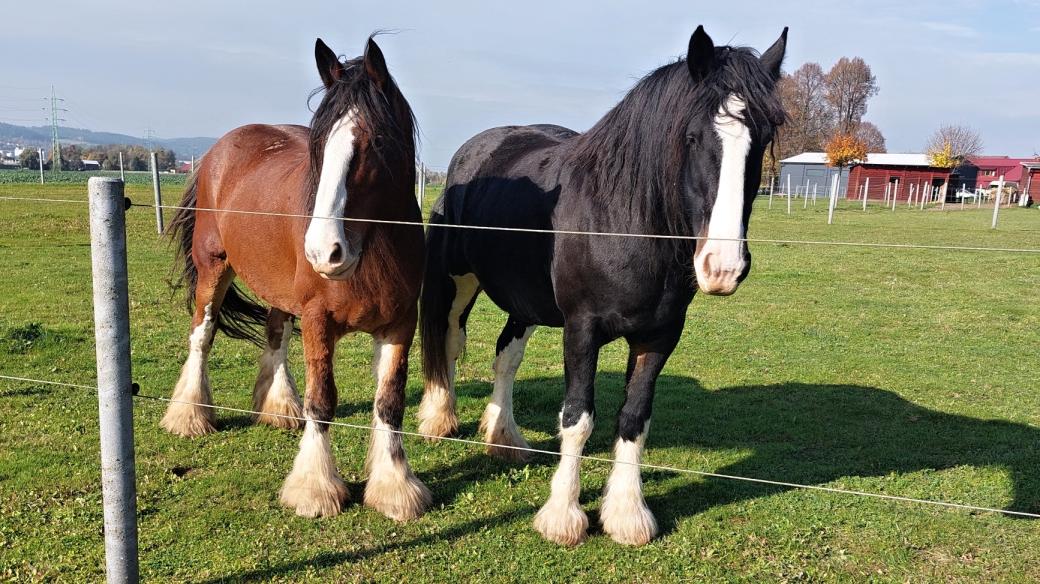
325 244
720 262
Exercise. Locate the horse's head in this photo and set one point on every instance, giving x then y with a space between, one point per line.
737 114
362 145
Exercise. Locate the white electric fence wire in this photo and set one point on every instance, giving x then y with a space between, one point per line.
600 459
572 232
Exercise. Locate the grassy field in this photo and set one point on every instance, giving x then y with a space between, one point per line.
909 372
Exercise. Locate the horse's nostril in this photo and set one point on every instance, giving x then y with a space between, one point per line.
337 254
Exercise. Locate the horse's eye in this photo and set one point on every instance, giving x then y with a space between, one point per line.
691 139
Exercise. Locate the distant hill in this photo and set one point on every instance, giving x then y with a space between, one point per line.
40 137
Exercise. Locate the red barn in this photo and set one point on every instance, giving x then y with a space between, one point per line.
1031 170
898 170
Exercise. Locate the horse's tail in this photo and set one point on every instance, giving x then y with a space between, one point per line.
438 293
240 317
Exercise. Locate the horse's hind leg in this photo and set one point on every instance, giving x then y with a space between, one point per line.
498 424
187 414
274 394
437 410
392 488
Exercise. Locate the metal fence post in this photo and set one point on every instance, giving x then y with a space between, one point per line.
158 193
112 336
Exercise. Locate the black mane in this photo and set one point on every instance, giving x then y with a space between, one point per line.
634 156
384 110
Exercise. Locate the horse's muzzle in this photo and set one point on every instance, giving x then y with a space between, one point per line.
334 262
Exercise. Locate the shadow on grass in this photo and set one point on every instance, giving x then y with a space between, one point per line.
804 433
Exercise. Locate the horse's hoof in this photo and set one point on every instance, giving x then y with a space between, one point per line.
188 420
399 497
627 520
565 524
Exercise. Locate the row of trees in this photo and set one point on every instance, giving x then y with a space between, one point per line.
824 105
134 157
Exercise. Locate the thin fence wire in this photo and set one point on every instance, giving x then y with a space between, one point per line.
598 459
426 224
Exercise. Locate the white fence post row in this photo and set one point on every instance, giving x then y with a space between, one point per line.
112 336
996 200
833 201
158 193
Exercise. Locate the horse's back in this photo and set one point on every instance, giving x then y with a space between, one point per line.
504 177
256 168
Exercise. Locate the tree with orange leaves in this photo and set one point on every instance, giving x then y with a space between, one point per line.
845 150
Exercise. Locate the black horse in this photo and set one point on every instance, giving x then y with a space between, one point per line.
680 155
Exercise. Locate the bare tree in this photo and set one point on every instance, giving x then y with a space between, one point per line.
809 117
871 136
850 85
955 143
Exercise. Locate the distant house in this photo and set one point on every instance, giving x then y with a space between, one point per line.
91 165
183 168
809 170
982 170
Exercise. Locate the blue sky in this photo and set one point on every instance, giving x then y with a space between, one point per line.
202 68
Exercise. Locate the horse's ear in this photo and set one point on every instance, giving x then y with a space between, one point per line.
375 64
328 63
773 58
701 56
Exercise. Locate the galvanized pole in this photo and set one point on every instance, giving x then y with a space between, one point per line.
996 203
866 191
1023 199
40 150
121 177
772 180
112 337
158 193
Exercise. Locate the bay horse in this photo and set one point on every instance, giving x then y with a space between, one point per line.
355 161
680 155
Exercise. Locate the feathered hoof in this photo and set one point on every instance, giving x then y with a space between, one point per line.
285 413
438 425
628 521
565 524
313 495
503 437
188 420
399 497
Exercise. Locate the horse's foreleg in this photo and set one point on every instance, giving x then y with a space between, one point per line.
561 519
624 515
437 415
274 394
392 488
498 424
187 414
314 487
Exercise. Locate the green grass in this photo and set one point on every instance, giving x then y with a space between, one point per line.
907 372
23 176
